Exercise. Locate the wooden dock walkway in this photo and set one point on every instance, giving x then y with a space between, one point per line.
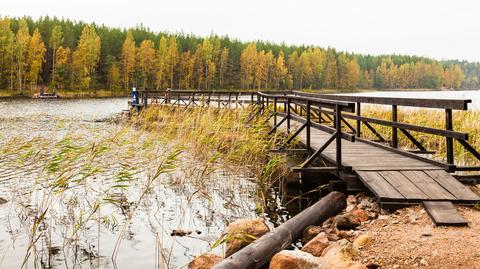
330 129
393 178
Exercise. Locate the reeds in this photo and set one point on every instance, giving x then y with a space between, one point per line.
463 121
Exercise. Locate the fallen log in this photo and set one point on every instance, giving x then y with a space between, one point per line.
262 250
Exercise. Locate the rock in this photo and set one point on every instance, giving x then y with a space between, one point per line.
310 232
3 201
423 262
340 255
205 261
344 234
242 232
317 245
350 208
361 214
351 199
346 221
375 207
328 223
295 259
363 240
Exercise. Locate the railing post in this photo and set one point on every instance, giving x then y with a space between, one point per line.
218 105
145 99
236 100
193 98
338 139
449 140
288 114
359 122
394 129
307 142
178 98
229 99
275 111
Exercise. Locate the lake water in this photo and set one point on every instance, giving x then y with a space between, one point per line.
75 178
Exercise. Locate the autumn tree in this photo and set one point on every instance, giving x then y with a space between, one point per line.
35 58
146 57
128 60
7 47
22 41
63 64
87 56
113 78
248 60
55 41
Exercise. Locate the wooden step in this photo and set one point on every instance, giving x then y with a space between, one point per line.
444 213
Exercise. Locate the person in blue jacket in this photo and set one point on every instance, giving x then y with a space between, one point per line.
135 100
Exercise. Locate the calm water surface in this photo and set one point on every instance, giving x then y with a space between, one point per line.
39 138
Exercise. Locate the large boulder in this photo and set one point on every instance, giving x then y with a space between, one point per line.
295 259
205 261
242 232
317 244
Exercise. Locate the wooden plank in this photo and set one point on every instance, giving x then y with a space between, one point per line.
403 185
444 213
457 189
429 186
378 185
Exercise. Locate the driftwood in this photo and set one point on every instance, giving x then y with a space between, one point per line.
262 250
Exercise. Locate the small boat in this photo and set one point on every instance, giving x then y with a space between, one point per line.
46 95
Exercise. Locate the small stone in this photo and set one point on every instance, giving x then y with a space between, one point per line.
295 259
317 245
205 261
310 232
346 221
350 208
375 207
396 266
363 240
361 214
423 262
351 199
3 201
426 234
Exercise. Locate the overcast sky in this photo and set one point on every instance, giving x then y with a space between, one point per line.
434 28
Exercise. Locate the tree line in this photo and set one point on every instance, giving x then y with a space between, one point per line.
70 55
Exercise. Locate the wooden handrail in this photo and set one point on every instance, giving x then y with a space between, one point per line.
456 104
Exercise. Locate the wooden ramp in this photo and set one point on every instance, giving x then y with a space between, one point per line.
397 179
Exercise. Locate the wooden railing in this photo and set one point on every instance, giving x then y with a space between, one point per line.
447 105
339 115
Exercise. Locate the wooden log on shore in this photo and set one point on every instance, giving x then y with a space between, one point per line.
262 250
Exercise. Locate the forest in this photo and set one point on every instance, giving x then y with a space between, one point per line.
61 54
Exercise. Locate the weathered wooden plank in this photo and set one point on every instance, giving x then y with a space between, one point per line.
429 186
456 188
444 213
378 185
403 185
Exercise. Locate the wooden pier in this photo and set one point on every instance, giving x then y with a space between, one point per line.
330 129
